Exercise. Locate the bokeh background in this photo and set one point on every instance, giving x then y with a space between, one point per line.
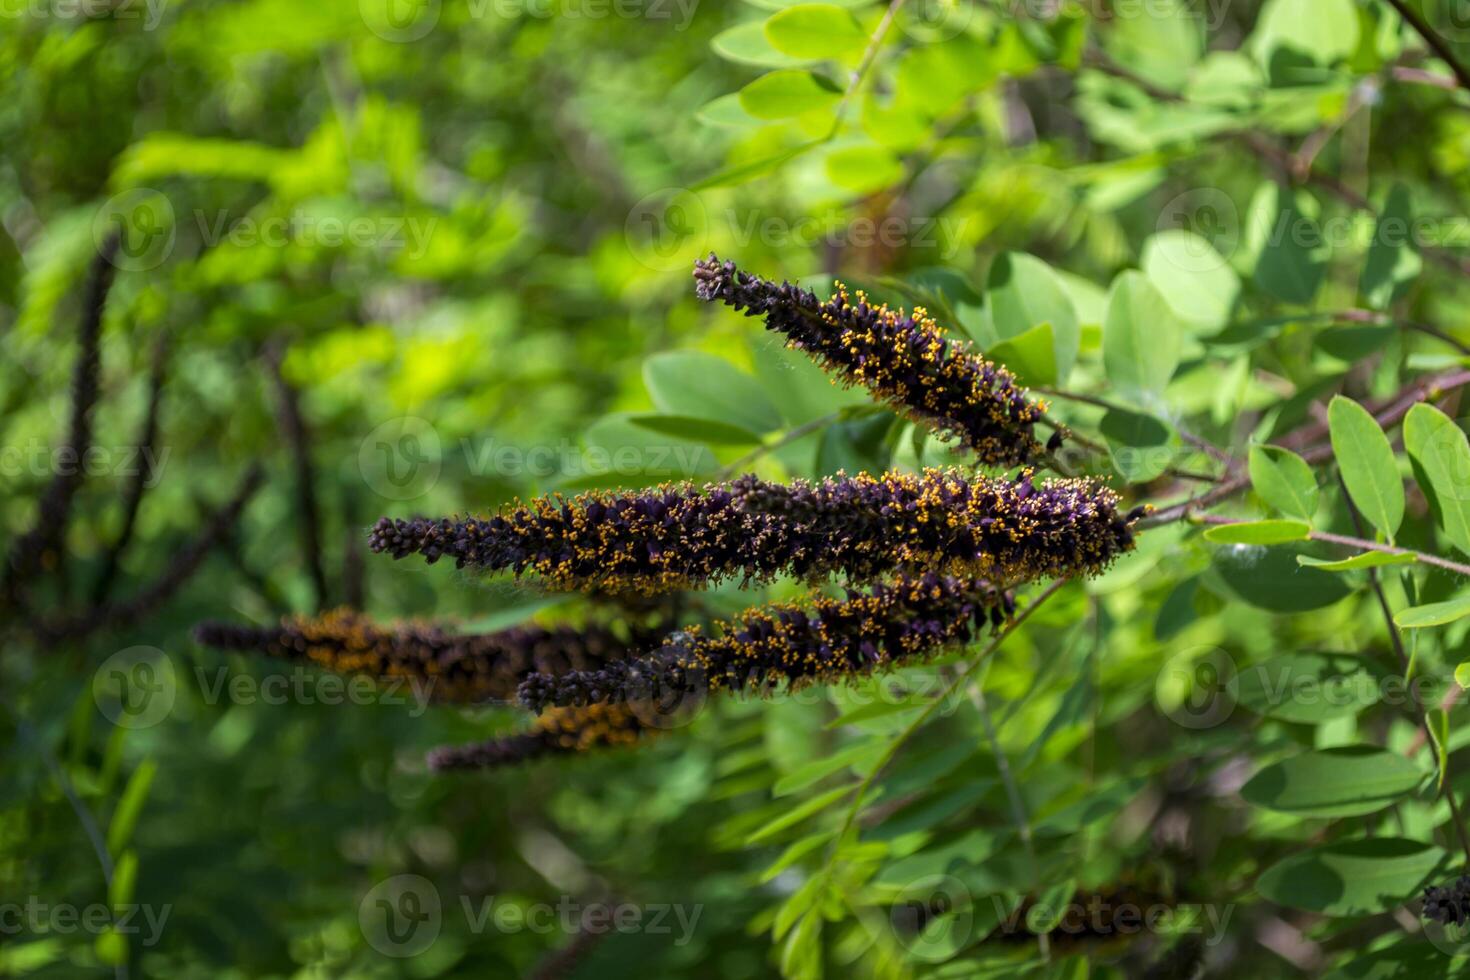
421 257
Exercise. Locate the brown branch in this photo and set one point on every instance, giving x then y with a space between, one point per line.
137 485
298 440
1436 43
31 551
184 563
1396 408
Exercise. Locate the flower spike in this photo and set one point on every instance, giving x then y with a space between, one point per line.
862 528
887 627
903 358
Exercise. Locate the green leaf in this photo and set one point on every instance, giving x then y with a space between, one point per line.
1462 674
797 850
1140 337
1141 446
1368 468
931 78
726 112
701 386
815 30
1392 261
1284 480
1440 456
1340 782
1401 961
1021 293
1291 263
1030 356
747 45
795 815
1160 42
1433 614
1270 578
124 879
742 172
818 769
855 446
697 430
1194 279
1308 688
803 900
1354 343
863 169
1259 532
130 806
1351 878
1368 559
783 94
1318 31
620 453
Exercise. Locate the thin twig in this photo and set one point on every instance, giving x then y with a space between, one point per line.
138 484
29 552
1013 795
1396 408
1350 542
298 441
898 741
785 439
1398 648
181 568
1436 43
858 73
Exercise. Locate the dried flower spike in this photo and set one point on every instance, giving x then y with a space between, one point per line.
556 731
461 669
791 646
863 528
903 358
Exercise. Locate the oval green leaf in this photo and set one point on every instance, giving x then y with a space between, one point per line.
815 30
783 94
1433 614
1339 782
1140 336
1360 877
1258 532
702 386
1284 480
1368 468
1309 687
1440 456
1368 559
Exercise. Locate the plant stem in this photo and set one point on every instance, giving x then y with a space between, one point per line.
785 439
1436 43
1350 542
902 737
1013 795
1404 661
858 73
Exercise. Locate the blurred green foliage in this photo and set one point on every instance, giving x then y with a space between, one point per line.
466 229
